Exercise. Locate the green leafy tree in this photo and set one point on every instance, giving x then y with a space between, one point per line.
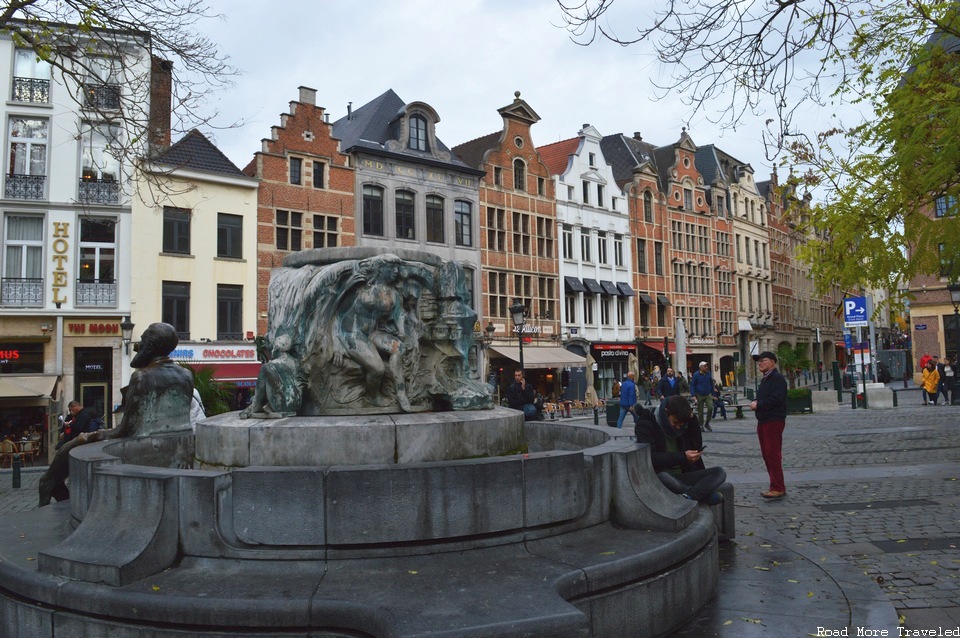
793 358
878 177
214 394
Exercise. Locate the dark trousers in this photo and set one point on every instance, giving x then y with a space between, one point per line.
698 484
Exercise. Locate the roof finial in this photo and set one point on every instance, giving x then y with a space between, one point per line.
516 95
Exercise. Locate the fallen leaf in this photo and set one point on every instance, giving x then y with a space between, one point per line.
607 553
755 621
412 572
763 569
727 622
790 580
809 594
902 541
155 588
933 562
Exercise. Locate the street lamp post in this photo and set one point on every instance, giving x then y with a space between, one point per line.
518 313
126 333
954 288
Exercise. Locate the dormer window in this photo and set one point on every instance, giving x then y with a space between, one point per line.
418 133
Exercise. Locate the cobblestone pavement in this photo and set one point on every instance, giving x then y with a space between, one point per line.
879 488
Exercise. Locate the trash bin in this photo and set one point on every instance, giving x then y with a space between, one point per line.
749 393
613 413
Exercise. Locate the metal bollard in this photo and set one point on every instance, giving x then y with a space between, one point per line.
596 415
15 468
853 399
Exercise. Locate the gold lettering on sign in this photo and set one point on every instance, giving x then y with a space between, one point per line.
372 164
61 248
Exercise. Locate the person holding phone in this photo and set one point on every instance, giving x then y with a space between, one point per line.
676 446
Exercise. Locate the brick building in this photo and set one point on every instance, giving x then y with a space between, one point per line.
518 244
306 195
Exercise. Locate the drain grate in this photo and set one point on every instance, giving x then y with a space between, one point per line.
875 505
917 545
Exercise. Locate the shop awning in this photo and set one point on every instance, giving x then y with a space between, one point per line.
647 299
610 288
658 346
38 387
574 284
662 300
626 290
243 374
593 286
541 357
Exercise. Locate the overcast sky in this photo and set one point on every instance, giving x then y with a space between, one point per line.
466 58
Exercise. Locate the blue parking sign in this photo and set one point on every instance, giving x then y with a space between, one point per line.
855 312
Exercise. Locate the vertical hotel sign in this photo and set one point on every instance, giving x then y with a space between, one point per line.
61 251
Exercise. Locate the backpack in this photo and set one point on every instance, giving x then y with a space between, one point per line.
96 424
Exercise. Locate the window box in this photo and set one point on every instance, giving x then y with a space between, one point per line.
799 400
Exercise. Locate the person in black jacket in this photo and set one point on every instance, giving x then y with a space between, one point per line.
673 434
522 396
770 407
668 386
81 420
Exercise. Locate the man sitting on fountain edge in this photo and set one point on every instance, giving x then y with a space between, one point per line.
673 433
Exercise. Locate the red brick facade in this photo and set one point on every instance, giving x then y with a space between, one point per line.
319 211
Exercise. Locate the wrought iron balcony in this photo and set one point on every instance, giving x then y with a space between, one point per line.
98 191
102 96
100 293
25 186
31 90
21 291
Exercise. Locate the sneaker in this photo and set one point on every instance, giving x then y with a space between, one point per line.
715 498
707 425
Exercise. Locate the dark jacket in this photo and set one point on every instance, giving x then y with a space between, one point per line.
651 431
628 393
517 398
665 390
83 421
701 384
772 398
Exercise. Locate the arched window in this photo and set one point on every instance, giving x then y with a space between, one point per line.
519 175
418 133
648 207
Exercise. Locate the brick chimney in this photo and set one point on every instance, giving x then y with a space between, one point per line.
161 97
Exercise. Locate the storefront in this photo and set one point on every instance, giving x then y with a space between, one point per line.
612 361
29 399
544 366
234 365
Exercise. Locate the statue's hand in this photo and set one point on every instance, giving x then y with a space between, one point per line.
338 358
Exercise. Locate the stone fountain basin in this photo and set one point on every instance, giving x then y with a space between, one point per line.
575 537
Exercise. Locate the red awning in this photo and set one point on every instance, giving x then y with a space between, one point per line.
658 346
238 373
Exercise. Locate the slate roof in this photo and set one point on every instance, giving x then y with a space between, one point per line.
195 151
624 154
369 127
557 155
707 163
471 153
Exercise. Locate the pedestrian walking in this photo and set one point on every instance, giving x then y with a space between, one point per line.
628 398
647 386
770 406
931 383
701 386
949 378
668 385
942 383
